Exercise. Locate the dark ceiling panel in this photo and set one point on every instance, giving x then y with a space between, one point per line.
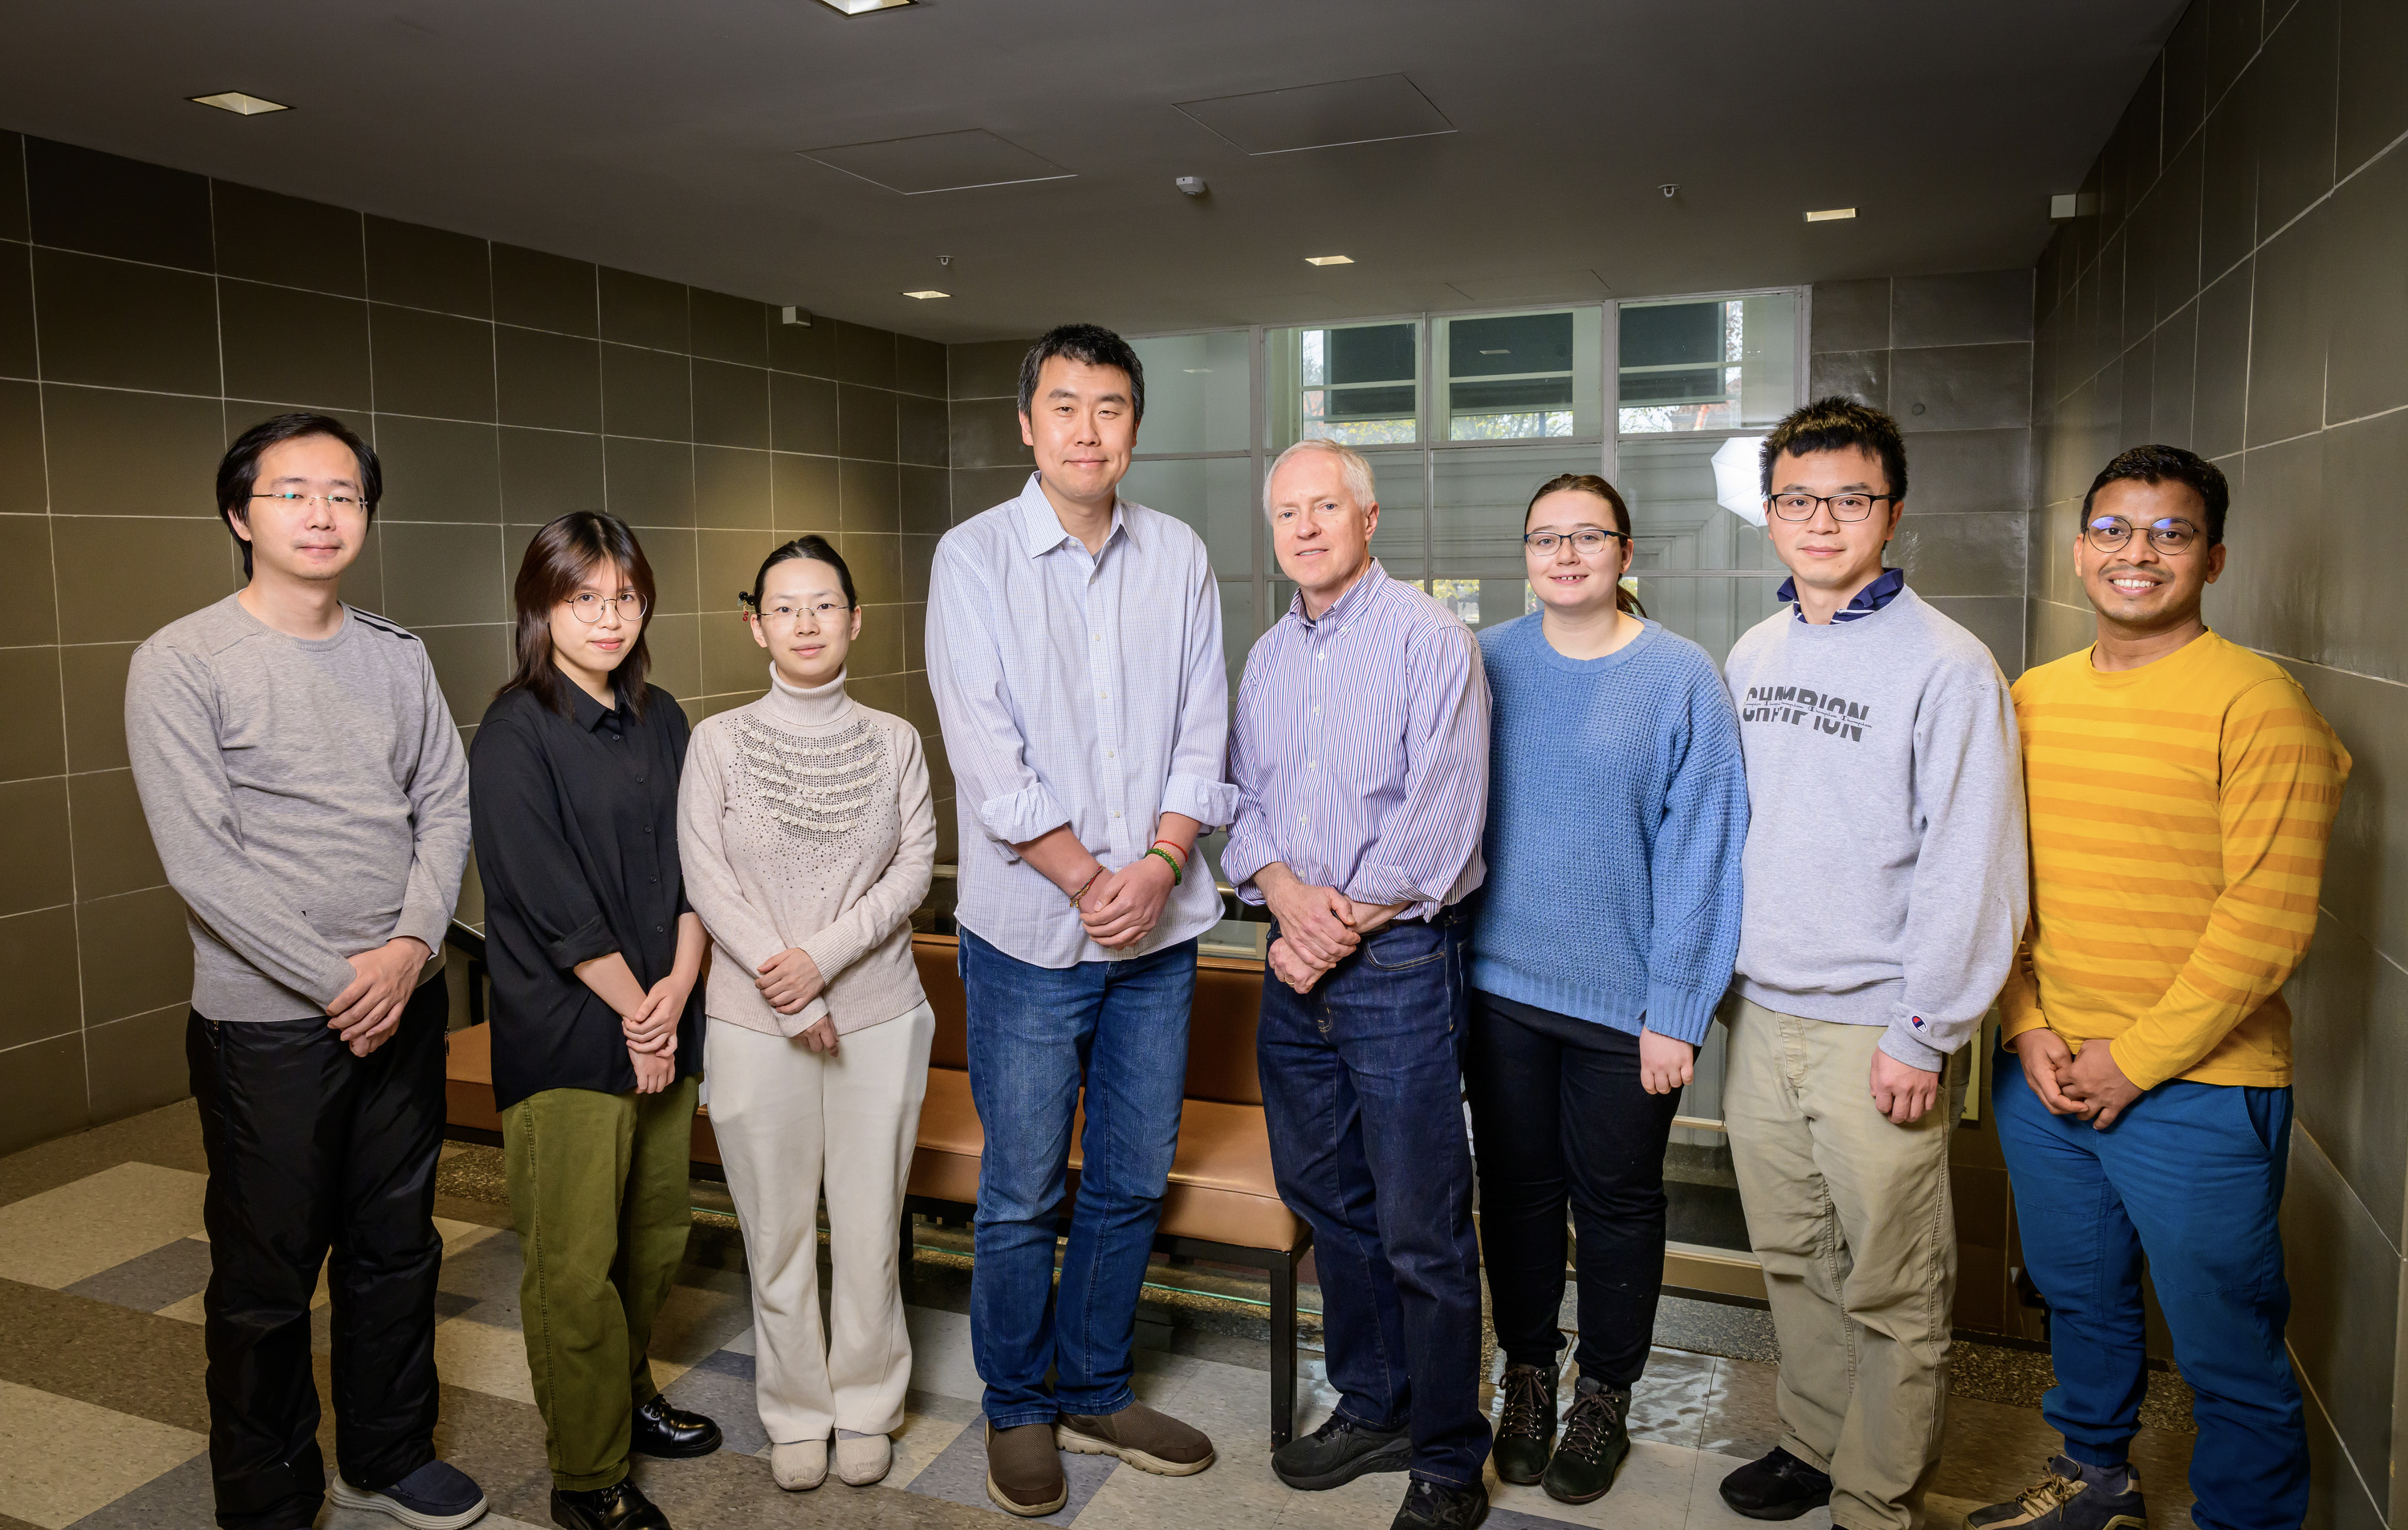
938 162
1331 116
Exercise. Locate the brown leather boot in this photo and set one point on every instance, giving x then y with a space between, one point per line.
1023 1472
1148 1440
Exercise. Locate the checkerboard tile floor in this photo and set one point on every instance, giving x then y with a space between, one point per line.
103 1421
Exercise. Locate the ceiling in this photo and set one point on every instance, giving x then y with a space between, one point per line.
668 138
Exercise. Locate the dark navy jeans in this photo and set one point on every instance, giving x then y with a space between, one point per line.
1363 1088
2190 1176
1034 1032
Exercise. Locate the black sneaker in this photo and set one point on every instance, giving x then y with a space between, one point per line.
437 1496
621 1506
1525 1428
658 1429
1429 1506
1778 1486
1595 1439
1339 1452
2071 1496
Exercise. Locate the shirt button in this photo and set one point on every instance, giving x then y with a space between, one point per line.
1107 754
648 828
1302 819
1311 765
651 879
660 929
1100 637
1316 711
1116 813
639 781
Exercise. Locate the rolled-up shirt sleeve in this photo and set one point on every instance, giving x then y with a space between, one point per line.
982 738
1195 787
1427 842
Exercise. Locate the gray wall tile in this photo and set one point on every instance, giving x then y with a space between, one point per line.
1860 375
985 369
423 267
731 405
2220 396
2344 1311
44 1093
728 329
24 479
113 452
2287 334
438 470
1850 315
865 422
120 325
805 494
643 310
106 205
2373 109
548 473
732 487
551 381
864 355
2269 596
16 348
1981 308
1973 387
34 743
40 998
2364 546
646 392
432 364
268 236
2367 332
543 292
300 346
650 483
2292 94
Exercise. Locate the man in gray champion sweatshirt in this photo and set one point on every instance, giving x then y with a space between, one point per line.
1886 888
309 800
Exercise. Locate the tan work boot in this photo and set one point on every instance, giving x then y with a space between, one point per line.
1148 1440
1023 1472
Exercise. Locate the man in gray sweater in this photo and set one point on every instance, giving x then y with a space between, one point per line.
1885 893
307 795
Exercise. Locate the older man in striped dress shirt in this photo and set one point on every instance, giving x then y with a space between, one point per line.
1360 753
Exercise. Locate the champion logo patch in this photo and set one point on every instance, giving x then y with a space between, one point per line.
1916 1021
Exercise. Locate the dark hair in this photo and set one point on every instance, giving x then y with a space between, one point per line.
1834 424
1589 484
815 549
1090 345
238 469
2163 464
556 562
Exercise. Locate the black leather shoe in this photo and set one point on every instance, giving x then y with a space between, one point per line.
621 1506
1778 1486
1595 1439
1525 1429
658 1429
1429 1507
1339 1452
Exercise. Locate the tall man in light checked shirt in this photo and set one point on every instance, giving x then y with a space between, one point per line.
1074 647
1361 759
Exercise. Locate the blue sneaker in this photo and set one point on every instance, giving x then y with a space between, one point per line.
436 1497
2071 1496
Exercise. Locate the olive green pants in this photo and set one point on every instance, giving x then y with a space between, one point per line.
598 1194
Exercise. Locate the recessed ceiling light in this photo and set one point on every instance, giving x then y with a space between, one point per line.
858 7
1328 260
1832 215
1193 371
239 104
927 293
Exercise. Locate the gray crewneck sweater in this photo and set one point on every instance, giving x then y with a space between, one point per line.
308 798
1884 869
804 819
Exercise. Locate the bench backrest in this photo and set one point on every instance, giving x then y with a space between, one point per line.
1220 1027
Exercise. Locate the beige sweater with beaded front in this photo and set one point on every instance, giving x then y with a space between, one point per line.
804 821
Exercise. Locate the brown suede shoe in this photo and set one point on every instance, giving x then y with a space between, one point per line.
1148 1440
1023 1472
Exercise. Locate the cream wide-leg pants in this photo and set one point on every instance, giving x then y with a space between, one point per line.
789 1122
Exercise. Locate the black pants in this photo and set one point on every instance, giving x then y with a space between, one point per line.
1557 1114
314 1151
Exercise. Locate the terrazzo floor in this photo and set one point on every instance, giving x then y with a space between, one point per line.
103 1421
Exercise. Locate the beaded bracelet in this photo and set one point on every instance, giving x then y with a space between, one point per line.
1084 885
1167 861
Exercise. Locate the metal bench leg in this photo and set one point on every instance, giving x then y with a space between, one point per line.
1283 1273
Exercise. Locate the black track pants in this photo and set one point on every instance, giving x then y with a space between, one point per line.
315 1152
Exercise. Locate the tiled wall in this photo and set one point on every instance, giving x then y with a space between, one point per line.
2242 289
147 316
1950 357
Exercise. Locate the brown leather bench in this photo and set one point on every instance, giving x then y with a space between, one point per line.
1222 1204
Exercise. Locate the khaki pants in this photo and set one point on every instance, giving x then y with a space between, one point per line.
791 1121
598 1191
1851 1217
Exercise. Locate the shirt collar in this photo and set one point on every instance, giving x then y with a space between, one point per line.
1041 526
592 715
1344 608
1872 599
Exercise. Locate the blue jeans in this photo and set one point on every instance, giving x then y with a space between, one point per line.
2191 1176
1033 1032
1363 1088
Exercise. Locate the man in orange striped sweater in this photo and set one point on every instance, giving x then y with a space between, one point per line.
2181 792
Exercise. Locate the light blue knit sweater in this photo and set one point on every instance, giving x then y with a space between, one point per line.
1617 813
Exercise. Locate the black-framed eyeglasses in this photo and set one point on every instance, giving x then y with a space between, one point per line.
1801 506
587 607
2170 536
1588 541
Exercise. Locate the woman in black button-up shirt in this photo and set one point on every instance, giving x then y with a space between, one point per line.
597 1037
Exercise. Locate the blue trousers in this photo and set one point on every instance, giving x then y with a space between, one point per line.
1034 1032
2191 1177
1363 1093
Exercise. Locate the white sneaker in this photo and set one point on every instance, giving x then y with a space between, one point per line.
864 1459
800 1466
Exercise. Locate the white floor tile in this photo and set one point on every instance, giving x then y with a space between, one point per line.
97 1222
114 1453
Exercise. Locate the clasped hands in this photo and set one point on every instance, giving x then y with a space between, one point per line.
1319 926
1119 908
652 1032
2087 1084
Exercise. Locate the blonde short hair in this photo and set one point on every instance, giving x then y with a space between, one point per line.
1351 464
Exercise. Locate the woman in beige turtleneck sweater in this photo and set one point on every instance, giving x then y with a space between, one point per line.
807 836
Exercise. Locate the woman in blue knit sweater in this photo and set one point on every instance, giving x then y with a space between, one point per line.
1617 810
